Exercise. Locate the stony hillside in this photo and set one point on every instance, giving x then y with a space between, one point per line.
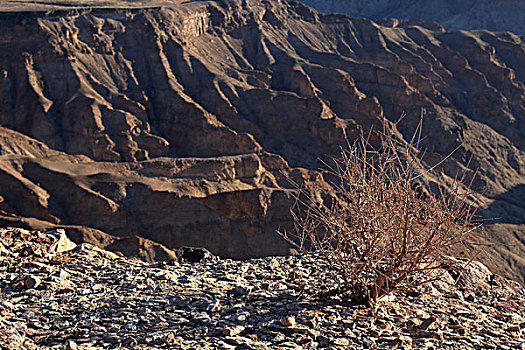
178 124
58 296
495 15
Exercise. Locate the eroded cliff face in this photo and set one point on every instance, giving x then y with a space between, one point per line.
495 15
180 124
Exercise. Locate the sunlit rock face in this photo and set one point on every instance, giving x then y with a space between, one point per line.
183 124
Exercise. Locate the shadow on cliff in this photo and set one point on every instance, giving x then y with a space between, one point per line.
508 207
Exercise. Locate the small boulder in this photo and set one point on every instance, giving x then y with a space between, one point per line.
62 244
192 254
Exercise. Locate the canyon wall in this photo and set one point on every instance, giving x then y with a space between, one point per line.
494 15
182 123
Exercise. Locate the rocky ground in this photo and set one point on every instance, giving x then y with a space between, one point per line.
56 295
170 117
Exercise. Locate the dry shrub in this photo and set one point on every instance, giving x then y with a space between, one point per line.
381 231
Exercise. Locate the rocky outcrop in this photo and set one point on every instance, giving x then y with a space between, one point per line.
221 203
181 124
499 15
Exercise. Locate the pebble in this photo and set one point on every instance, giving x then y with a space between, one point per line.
233 331
32 282
427 323
71 345
288 321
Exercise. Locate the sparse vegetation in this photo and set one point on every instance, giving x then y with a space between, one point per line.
381 231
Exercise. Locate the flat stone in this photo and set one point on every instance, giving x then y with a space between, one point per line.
427 323
71 345
233 331
288 321
32 282
342 342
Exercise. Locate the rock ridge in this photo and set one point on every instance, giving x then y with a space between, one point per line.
500 15
180 123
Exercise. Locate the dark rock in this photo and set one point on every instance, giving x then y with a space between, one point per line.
192 254
427 323
32 282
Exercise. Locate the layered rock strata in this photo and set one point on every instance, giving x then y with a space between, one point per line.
181 122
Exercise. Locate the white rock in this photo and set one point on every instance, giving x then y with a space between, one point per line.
63 244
